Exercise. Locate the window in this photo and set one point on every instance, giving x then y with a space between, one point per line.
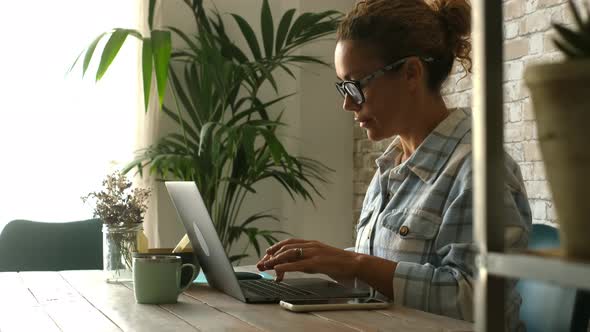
60 135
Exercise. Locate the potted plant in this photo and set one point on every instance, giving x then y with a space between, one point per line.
227 137
560 94
121 210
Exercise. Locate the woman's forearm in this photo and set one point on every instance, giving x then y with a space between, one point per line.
377 272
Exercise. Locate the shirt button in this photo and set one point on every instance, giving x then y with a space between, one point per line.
404 230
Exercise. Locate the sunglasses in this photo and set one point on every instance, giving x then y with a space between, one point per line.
354 88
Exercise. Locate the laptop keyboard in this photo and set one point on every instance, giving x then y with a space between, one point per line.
269 287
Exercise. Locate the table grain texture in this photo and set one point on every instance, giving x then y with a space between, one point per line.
83 301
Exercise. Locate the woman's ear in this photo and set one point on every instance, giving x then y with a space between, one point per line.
414 73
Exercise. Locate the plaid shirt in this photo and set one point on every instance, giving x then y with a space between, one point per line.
419 213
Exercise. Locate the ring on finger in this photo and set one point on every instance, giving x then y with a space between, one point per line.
299 253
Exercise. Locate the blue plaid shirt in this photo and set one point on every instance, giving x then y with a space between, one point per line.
419 213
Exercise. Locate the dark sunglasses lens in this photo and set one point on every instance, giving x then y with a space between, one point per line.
354 92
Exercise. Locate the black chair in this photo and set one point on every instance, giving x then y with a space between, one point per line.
41 246
549 307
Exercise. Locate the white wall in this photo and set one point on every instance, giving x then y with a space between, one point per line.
326 133
317 128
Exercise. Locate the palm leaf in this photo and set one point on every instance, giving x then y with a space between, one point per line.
249 35
146 61
567 49
151 13
270 240
252 232
228 48
258 216
184 99
306 59
206 133
276 148
579 41
306 28
161 48
283 29
114 45
255 108
267 75
90 52
110 51
75 62
184 37
267 27
287 70
298 25
181 123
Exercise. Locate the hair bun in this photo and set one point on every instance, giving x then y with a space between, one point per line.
455 16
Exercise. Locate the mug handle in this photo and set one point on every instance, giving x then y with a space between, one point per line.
190 281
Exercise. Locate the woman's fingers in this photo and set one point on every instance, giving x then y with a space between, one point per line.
302 266
308 244
277 246
284 257
291 255
287 253
272 250
260 264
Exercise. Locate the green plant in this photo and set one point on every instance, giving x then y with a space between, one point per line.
227 139
574 44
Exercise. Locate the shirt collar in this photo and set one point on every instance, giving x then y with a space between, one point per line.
434 152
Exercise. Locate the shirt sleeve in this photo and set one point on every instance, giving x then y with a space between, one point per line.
447 288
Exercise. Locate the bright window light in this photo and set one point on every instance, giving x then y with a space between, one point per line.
60 135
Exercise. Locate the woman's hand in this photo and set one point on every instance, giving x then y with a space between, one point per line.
309 257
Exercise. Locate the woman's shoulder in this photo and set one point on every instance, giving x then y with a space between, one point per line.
460 164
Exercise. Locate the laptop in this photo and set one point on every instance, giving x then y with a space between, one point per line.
219 272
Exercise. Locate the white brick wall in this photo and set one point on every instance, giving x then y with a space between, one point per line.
527 33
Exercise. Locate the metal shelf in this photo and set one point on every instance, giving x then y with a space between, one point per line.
488 158
538 266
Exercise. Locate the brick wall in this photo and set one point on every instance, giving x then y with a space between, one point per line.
527 34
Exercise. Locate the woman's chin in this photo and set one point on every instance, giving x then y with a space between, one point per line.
374 135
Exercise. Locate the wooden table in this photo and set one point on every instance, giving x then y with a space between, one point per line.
83 301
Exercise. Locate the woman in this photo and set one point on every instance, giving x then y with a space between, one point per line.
414 240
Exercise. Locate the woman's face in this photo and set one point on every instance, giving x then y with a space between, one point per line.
388 98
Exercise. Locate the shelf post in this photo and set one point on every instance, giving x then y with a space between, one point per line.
488 159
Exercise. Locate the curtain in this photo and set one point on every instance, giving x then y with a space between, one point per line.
160 224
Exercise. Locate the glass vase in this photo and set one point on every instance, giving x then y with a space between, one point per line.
118 245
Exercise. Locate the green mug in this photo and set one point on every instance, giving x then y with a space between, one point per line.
156 279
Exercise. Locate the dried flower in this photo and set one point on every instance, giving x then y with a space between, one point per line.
117 204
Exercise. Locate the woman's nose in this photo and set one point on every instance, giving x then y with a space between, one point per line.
349 104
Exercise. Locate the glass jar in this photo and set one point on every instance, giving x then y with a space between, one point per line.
118 245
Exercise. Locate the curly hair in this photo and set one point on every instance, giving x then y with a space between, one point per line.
396 28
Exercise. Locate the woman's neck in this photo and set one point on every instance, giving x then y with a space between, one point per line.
432 113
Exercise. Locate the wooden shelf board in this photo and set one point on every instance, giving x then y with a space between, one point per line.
543 265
